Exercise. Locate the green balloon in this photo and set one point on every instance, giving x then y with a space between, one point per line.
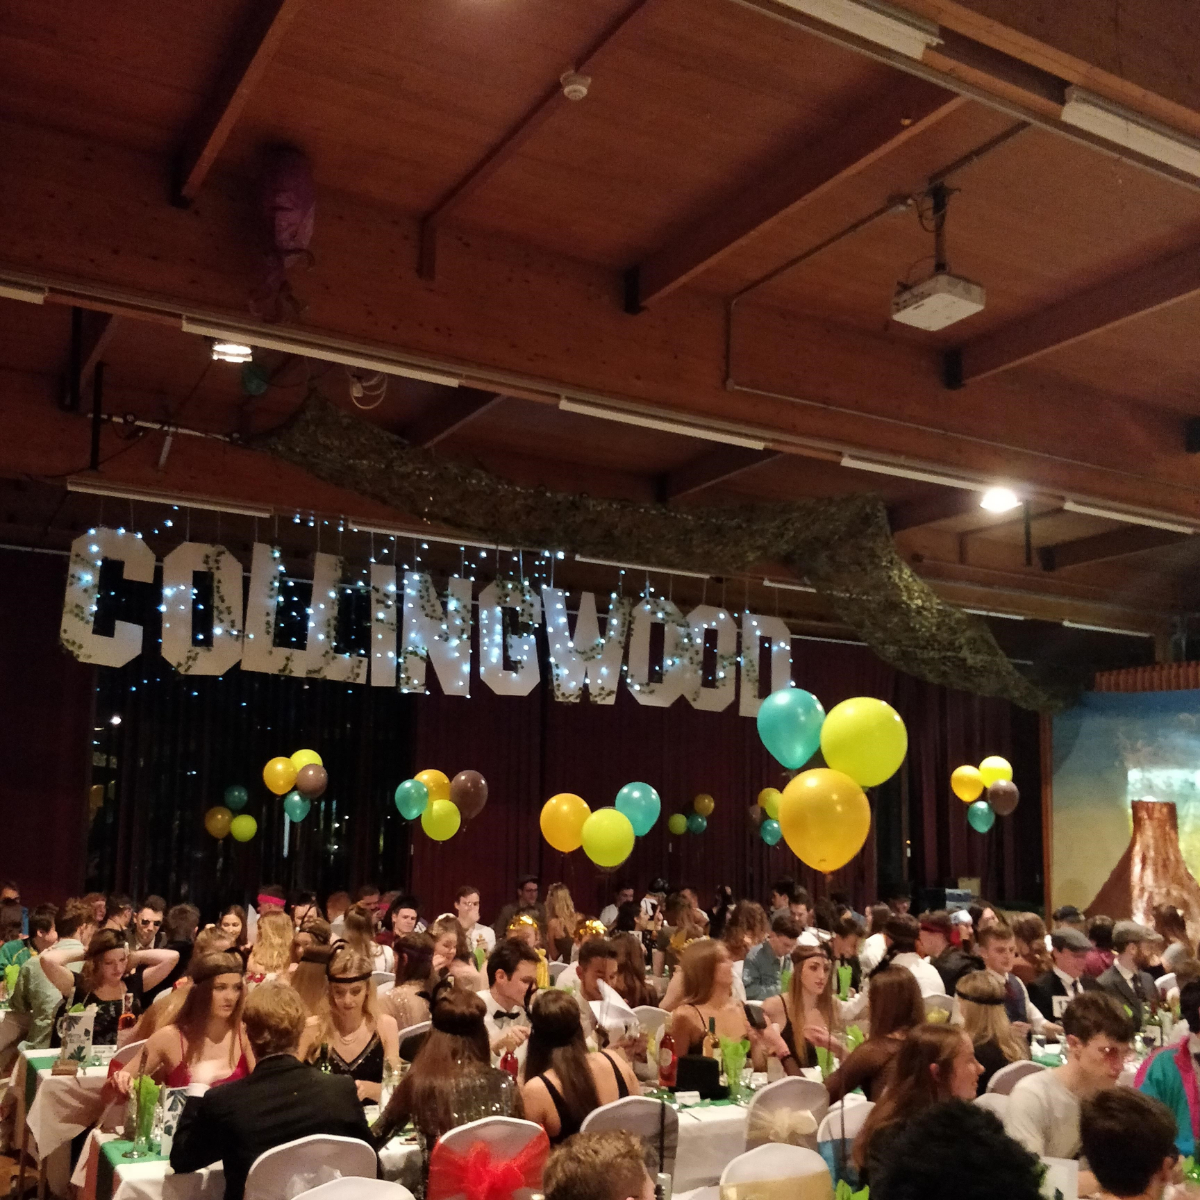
696 823
980 816
412 797
789 724
236 797
677 823
295 806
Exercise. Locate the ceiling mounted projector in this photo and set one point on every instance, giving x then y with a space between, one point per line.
938 301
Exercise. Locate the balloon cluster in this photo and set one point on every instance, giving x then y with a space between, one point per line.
823 813
695 821
606 835
442 803
299 779
991 780
220 821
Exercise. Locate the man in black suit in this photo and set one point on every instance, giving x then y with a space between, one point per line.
283 1099
937 944
1054 990
1125 979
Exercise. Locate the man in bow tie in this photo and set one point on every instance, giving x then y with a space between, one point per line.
512 973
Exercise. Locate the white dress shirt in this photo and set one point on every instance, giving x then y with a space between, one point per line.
924 972
496 1028
871 955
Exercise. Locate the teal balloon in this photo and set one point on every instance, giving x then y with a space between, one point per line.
411 798
789 724
770 832
697 823
296 806
980 816
236 797
640 803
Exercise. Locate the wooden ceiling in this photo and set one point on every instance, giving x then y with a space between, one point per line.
592 249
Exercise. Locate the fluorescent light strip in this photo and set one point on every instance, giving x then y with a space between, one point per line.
902 472
608 562
1114 123
253 336
623 417
988 612
874 22
1130 518
789 587
1107 629
358 527
87 487
23 291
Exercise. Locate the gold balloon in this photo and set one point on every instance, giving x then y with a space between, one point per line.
825 818
217 821
562 821
279 775
437 782
967 784
994 768
768 801
306 758
704 804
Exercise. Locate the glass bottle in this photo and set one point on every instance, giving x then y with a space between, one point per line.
712 1044
323 1063
668 1061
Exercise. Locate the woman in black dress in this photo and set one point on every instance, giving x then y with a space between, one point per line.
981 1002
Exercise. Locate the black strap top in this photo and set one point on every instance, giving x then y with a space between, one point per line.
367 1065
569 1124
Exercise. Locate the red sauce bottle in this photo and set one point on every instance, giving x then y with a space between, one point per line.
668 1061
508 1062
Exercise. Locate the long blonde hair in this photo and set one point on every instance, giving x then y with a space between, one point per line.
344 961
272 949
559 904
981 1002
698 964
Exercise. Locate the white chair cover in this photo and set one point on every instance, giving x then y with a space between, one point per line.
126 1054
1165 983
656 1123
789 1110
383 988
357 1189
994 1102
379 978
506 1137
776 1171
651 1017
1008 1077
295 1167
940 1004
411 1031
556 969
835 1138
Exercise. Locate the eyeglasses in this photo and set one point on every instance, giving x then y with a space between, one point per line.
1112 1053
150 923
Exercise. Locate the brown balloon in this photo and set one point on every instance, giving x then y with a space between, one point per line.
311 781
757 816
1003 796
469 790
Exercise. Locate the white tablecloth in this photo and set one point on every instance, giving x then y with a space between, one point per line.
708 1139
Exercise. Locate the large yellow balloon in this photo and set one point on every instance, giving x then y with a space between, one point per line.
994 768
306 758
279 775
967 784
825 818
562 821
865 739
607 837
441 819
768 801
243 827
217 820
437 783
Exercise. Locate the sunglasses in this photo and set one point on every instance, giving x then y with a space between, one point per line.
149 923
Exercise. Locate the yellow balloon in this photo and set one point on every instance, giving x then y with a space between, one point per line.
704 804
768 801
243 827
607 837
993 769
437 783
279 775
865 739
305 758
217 820
441 819
825 818
562 821
967 784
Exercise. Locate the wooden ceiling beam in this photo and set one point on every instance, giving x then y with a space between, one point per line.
938 505
550 102
448 414
258 40
713 467
801 177
95 331
1114 543
1083 315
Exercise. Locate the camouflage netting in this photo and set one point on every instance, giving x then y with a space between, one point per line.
842 546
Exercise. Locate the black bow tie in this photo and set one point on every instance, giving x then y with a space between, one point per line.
500 1015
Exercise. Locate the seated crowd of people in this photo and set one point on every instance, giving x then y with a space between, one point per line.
289 1017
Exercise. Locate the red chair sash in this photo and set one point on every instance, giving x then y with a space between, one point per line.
477 1175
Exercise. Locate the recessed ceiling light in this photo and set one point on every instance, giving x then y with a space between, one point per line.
231 352
999 499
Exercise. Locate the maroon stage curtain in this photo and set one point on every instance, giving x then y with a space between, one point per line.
45 734
533 747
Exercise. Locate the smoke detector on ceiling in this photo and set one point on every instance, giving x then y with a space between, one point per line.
938 301
574 85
